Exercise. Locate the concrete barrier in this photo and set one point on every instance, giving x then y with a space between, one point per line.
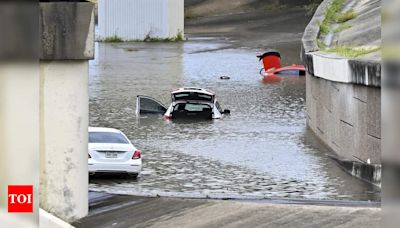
344 103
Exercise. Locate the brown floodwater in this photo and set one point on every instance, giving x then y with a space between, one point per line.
262 150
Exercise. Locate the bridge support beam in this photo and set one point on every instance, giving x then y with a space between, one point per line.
44 106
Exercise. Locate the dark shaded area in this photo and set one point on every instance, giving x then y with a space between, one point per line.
358 76
19 37
64 30
181 111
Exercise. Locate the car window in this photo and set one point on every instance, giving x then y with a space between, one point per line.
107 137
288 72
146 104
192 96
218 106
189 107
196 107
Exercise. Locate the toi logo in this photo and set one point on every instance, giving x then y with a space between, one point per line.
20 198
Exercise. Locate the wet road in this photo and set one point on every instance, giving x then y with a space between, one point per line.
261 150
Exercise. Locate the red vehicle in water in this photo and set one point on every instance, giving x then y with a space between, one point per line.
273 70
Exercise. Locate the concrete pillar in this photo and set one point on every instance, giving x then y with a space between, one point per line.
19 107
44 53
19 133
63 138
67 45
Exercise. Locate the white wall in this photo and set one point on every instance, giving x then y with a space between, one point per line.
136 19
176 17
64 138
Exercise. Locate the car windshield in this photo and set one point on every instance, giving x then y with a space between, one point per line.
107 137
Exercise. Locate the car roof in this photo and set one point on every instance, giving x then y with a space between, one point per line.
194 90
103 129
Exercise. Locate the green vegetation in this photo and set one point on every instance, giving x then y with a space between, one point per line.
324 28
112 39
273 7
351 52
115 39
321 44
346 16
177 38
330 16
342 27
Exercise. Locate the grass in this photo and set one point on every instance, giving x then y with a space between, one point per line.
346 16
177 38
351 52
321 44
112 39
330 16
115 39
324 28
342 27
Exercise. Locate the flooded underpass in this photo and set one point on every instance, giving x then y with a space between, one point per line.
262 150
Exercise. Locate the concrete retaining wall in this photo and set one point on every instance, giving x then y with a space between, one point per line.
343 102
346 117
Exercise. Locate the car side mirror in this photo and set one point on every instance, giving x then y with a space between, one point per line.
226 111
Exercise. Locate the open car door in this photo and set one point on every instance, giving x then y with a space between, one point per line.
145 104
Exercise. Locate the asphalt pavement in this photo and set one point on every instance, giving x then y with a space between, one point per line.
108 210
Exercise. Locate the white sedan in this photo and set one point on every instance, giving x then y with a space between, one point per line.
110 151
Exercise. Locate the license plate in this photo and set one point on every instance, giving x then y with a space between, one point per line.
111 155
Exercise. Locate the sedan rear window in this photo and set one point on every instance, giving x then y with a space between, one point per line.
107 137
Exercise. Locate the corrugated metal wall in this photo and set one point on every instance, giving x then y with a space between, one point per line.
135 19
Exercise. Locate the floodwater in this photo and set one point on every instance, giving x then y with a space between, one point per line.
262 150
